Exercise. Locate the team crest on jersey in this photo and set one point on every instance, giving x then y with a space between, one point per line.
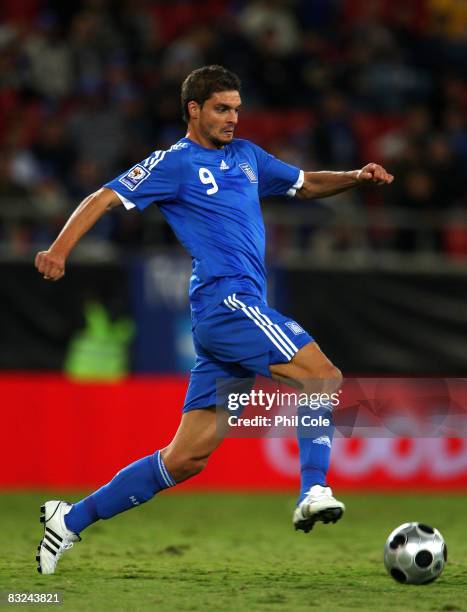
295 327
134 177
248 170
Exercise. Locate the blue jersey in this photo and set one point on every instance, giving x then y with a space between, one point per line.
211 199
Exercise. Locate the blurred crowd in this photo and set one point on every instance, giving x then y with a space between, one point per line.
89 88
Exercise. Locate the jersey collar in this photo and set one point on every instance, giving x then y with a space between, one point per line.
219 152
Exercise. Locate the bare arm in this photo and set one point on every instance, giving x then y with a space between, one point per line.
324 184
51 263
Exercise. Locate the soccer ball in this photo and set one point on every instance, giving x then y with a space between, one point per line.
415 553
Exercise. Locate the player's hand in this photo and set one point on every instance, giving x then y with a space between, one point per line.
50 265
374 173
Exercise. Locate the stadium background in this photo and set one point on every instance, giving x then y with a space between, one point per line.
378 276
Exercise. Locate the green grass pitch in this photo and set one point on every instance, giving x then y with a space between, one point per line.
235 552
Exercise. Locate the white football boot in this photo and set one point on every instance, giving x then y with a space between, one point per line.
57 538
318 505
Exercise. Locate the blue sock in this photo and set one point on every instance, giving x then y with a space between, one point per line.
314 444
135 484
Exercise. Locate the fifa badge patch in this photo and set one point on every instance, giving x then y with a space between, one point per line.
248 170
295 327
134 177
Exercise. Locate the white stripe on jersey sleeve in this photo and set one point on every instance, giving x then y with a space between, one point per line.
297 185
126 203
154 163
149 160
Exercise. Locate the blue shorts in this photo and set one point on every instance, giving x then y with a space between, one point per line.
239 338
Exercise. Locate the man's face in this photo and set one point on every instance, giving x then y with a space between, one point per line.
218 117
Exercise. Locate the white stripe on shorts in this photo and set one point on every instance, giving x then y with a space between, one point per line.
273 327
268 331
228 305
279 330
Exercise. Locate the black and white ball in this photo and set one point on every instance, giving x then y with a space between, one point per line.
415 553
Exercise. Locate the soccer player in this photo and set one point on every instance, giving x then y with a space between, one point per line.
208 186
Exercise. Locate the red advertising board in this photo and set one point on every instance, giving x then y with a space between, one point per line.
61 434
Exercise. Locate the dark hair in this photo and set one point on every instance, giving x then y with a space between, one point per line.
200 84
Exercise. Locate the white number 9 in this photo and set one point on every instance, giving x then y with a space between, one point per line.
207 178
